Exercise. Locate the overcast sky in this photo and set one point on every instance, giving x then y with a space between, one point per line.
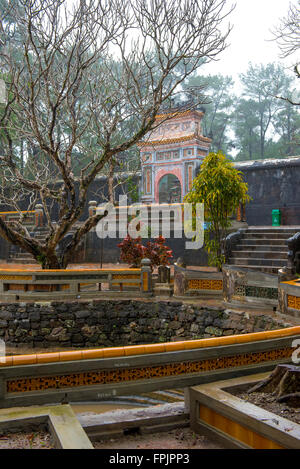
249 40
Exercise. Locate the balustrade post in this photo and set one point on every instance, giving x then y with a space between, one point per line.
146 277
39 215
164 274
180 281
92 208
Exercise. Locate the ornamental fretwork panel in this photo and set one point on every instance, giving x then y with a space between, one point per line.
293 302
205 284
146 372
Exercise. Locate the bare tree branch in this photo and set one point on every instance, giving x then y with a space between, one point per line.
77 75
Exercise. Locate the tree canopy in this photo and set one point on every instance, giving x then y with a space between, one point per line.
220 187
83 70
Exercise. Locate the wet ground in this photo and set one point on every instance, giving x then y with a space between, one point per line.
183 438
26 440
11 266
176 439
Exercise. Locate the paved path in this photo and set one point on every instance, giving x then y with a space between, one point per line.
11 266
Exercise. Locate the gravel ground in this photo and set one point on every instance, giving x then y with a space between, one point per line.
183 438
22 440
268 402
176 439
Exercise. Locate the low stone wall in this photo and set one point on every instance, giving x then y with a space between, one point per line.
273 183
194 283
249 288
117 323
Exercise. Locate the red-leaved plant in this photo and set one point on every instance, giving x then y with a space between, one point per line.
157 252
132 251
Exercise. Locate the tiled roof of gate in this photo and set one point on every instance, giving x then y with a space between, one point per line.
173 140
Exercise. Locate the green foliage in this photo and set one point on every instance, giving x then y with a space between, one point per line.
260 114
132 190
220 187
218 109
41 258
256 124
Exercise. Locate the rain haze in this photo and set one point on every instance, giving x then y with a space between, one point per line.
251 38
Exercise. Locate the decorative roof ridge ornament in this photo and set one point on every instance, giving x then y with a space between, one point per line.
173 140
188 105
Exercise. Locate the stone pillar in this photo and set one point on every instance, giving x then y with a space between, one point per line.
180 282
92 207
146 277
284 275
164 274
39 215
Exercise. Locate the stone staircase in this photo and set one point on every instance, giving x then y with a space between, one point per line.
19 256
262 249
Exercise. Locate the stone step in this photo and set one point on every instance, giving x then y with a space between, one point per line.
260 241
22 261
258 262
260 254
261 247
278 229
265 269
267 235
41 229
22 253
23 257
20 256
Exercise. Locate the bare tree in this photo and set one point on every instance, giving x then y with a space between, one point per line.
288 32
287 35
74 75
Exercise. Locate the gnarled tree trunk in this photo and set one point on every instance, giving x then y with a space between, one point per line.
283 382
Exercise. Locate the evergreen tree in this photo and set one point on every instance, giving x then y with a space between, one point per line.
262 83
218 106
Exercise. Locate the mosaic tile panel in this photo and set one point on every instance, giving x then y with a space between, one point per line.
257 292
240 290
262 292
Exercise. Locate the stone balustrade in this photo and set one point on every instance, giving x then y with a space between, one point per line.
71 283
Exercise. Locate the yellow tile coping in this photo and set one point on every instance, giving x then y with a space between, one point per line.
39 271
295 282
110 352
15 211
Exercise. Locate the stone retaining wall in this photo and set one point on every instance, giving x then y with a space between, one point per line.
118 323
